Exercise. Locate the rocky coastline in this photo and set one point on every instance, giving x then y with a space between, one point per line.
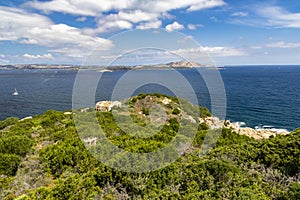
238 127
212 122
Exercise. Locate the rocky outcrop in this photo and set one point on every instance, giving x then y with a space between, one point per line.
107 105
166 101
68 113
25 118
258 134
90 141
212 122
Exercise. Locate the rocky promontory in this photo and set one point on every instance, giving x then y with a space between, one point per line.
143 103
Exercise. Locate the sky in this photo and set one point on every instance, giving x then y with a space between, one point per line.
231 32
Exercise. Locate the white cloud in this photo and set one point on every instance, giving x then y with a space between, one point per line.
279 17
214 18
93 8
282 44
191 26
3 61
27 28
124 20
239 14
174 26
136 16
218 51
266 15
256 47
58 34
224 51
278 45
194 26
111 25
200 5
81 19
70 52
28 41
45 56
79 7
143 14
15 23
185 39
149 25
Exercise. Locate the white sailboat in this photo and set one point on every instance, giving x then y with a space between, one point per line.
15 92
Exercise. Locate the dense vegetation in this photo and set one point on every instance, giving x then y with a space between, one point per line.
44 158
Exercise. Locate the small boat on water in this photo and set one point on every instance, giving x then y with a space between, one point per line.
15 92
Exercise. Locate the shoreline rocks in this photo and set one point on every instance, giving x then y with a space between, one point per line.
257 134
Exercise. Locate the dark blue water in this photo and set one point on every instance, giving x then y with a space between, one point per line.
267 95
264 95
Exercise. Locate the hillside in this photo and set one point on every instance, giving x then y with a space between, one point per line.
44 157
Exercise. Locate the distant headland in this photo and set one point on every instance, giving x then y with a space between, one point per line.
176 65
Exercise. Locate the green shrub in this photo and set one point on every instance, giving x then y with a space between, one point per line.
294 191
176 111
8 122
203 126
204 112
9 164
146 111
19 145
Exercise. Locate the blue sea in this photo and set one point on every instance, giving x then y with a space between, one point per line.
256 95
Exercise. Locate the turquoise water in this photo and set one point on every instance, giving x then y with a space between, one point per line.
267 95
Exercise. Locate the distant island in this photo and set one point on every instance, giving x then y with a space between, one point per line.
176 64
